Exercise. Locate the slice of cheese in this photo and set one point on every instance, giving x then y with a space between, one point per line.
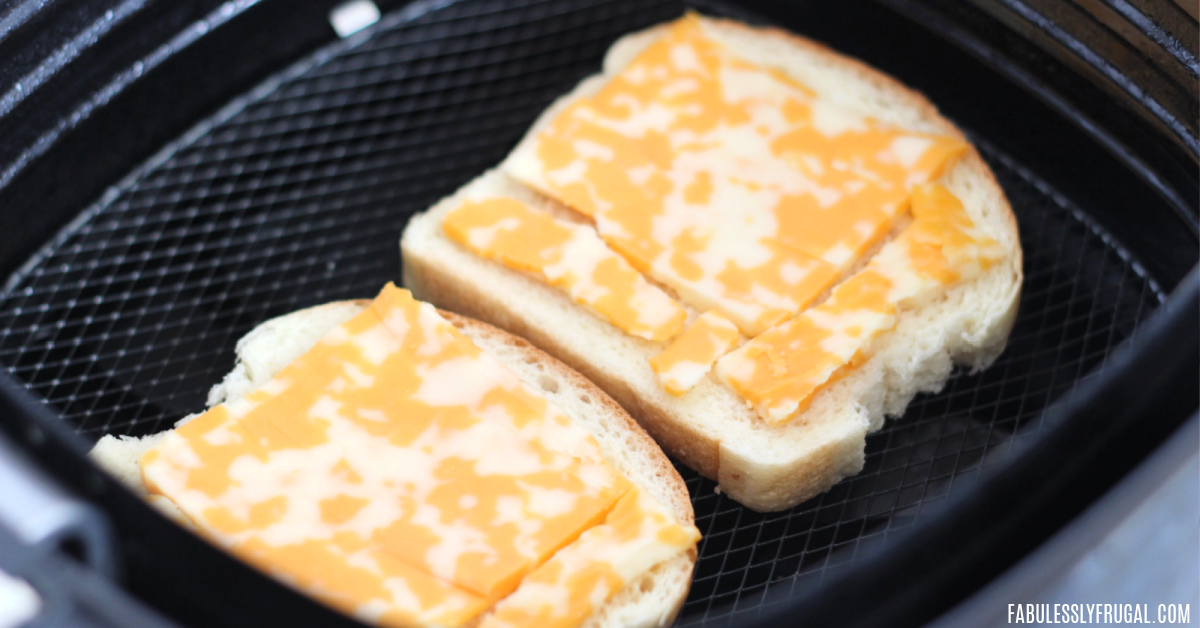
638 534
781 370
727 181
568 256
394 470
692 354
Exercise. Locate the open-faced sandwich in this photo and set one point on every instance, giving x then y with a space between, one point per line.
412 467
759 247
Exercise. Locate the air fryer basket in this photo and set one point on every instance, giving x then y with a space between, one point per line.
295 193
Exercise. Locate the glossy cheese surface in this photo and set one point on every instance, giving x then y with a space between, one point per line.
691 354
637 534
728 181
394 471
781 370
569 256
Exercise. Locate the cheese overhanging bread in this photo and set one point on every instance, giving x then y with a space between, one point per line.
762 346
651 565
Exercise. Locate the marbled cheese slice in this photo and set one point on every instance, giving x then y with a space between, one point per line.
568 256
727 181
638 534
691 354
394 470
781 370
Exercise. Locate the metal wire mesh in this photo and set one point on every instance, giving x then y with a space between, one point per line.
296 195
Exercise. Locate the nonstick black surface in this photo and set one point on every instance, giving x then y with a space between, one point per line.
296 194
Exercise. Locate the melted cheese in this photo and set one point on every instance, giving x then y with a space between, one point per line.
568 256
692 354
727 181
781 370
638 534
395 471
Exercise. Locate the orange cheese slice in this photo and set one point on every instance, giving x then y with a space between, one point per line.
879 166
394 470
780 371
692 353
569 256
727 181
638 534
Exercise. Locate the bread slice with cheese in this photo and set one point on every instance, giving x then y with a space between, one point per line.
710 428
654 599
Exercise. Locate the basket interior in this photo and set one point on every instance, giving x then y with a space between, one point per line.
296 194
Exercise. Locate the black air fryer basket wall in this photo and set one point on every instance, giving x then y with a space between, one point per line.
174 173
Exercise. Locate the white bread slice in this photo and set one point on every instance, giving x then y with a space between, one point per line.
710 428
654 600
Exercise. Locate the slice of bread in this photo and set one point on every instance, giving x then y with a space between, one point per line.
654 600
710 428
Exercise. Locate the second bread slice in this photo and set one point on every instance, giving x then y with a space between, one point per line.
710 428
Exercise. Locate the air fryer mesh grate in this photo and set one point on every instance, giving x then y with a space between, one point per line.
296 194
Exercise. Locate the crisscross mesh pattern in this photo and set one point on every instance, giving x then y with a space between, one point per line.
295 195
